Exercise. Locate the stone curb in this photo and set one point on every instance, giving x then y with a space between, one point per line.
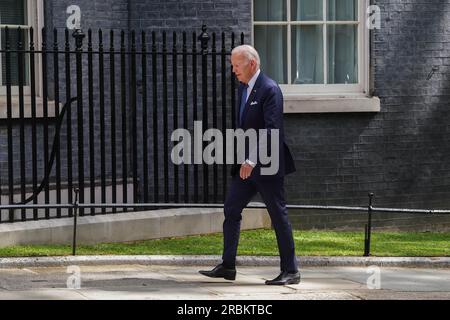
211 260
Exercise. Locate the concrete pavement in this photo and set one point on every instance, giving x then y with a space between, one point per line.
177 282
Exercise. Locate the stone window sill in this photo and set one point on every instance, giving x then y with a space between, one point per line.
27 107
330 103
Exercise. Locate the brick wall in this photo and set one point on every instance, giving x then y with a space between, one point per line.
401 153
108 15
187 15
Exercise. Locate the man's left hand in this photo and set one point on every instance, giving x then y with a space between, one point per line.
246 171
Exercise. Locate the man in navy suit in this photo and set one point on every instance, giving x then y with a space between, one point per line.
261 107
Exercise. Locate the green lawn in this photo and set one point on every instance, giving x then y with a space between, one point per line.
262 243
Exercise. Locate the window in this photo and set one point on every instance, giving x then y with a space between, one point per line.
313 46
15 14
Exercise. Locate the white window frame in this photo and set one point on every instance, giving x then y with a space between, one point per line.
359 89
35 19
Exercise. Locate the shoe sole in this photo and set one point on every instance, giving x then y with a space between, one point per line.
228 277
293 281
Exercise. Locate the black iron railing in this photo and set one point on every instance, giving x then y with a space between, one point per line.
101 110
146 206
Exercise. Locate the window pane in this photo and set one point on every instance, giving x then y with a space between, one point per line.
307 54
13 12
14 57
302 10
270 41
342 54
342 10
269 10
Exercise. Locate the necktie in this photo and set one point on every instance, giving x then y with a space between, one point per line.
243 102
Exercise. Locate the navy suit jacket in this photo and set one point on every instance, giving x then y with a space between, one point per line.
264 110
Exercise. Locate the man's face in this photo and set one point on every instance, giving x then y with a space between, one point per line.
243 68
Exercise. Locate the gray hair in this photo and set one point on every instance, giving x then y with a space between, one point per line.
249 53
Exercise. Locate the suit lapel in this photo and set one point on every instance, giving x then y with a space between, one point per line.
238 121
251 97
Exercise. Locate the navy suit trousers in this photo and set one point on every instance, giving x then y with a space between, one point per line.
272 192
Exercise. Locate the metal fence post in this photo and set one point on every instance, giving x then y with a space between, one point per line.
368 229
8 82
75 211
79 36
204 39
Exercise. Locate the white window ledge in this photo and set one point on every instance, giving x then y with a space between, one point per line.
330 103
27 107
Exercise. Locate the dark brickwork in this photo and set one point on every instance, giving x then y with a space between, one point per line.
186 15
401 153
105 14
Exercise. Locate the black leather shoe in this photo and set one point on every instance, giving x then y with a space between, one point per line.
285 278
220 272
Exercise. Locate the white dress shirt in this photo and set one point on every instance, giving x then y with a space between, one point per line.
251 84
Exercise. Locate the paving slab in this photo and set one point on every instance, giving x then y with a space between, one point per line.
176 282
